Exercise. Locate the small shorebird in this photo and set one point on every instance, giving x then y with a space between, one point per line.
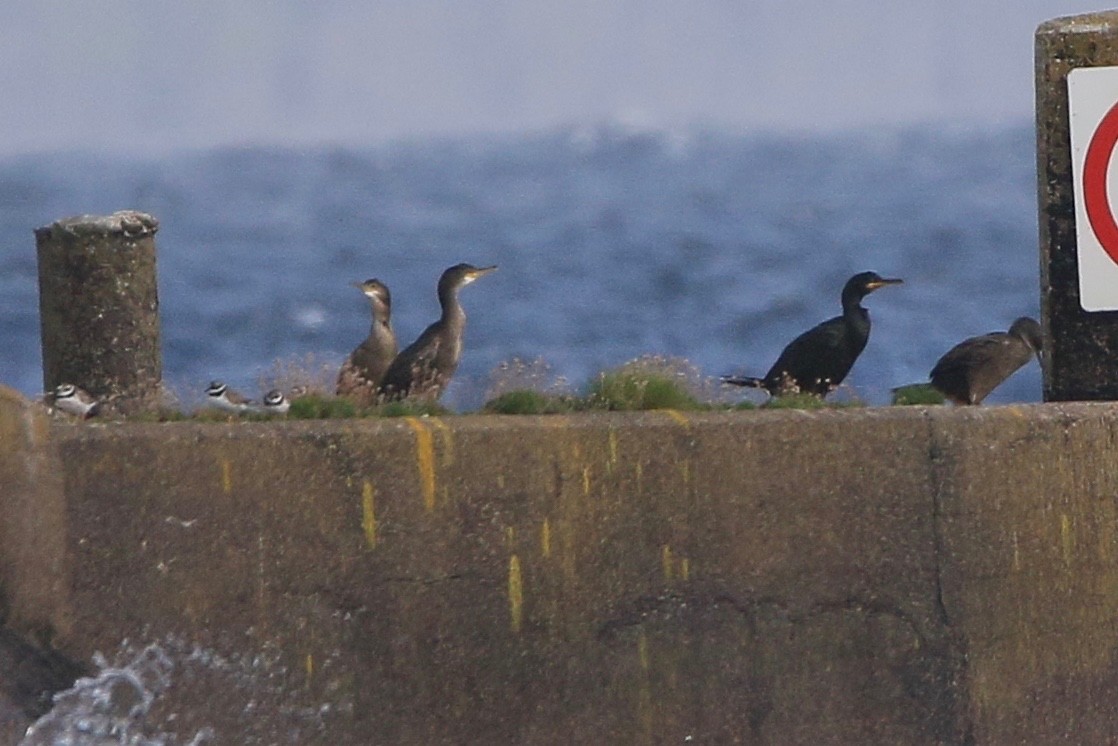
220 396
275 403
73 400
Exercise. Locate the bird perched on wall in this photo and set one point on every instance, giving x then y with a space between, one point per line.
426 366
970 370
275 403
818 360
364 368
220 396
73 400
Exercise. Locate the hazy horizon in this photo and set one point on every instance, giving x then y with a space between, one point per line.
154 76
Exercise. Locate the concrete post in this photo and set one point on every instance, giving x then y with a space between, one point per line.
99 308
1081 354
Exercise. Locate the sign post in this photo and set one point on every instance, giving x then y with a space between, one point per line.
1077 180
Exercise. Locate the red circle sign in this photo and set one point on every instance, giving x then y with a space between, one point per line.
1096 165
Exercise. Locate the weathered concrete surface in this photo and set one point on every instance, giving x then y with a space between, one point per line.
874 576
34 577
1080 346
99 308
33 542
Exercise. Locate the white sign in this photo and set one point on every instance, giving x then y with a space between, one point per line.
1093 113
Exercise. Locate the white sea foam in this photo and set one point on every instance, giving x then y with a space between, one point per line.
172 692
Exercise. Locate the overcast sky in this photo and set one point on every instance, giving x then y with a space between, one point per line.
155 75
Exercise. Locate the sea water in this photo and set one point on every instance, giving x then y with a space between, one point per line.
612 243
172 692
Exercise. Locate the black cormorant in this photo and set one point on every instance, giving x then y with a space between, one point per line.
362 372
970 370
818 360
426 366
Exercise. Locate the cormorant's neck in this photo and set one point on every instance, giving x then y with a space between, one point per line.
382 317
852 304
452 309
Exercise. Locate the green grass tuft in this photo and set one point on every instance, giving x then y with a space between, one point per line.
626 390
525 401
795 401
807 401
314 407
917 393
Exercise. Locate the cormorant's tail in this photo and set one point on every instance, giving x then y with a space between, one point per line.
747 381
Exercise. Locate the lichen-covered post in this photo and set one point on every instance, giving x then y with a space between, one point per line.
99 308
1078 236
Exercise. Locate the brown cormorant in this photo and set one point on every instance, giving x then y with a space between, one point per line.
362 372
818 360
426 366
970 370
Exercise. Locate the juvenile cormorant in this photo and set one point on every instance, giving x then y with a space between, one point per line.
425 367
970 370
364 368
818 360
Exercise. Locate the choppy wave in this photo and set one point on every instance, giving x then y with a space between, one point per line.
612 243
172 692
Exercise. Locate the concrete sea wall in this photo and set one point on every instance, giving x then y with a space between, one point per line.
891 575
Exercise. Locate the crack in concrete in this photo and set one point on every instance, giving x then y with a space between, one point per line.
954 644
643 608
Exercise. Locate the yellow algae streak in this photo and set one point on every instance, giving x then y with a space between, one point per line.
510 537
516 594
545 538
310 668
666 562
226 475
685 568
425 460
369 514
586 481
678 416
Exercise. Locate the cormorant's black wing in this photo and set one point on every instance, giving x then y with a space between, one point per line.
817 360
